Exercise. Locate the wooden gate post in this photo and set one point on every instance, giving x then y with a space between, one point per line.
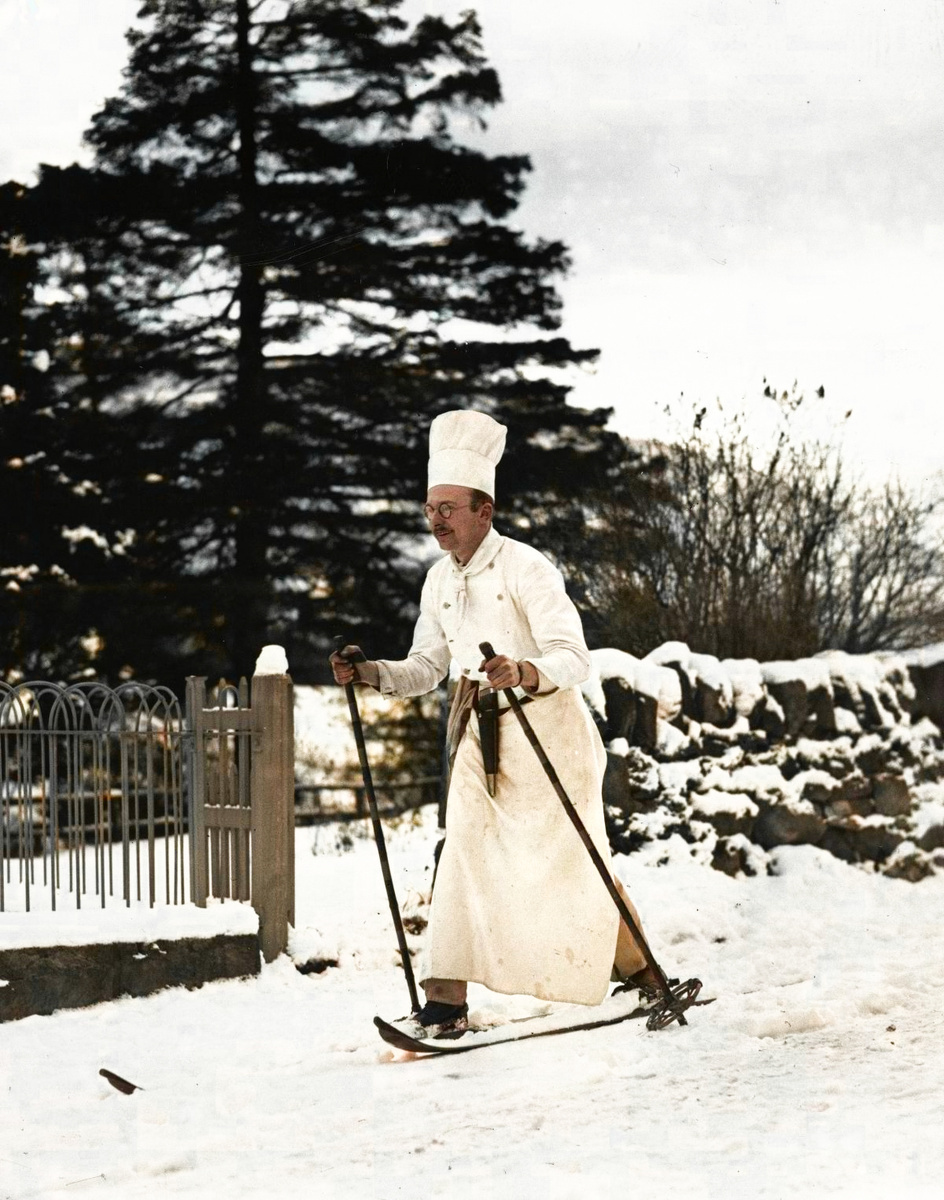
273 810
199 876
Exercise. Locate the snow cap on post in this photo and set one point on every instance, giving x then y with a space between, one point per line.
464 449
271 661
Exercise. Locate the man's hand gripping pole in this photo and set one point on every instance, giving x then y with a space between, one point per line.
674 1000
354 656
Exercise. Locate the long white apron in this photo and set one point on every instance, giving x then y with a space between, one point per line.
518 904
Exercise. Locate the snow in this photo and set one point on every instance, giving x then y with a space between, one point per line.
642 675
707 668
811 672
272 660
677 776
664 685
747 683
324 743
670 740
94 925
616 664
929 811
812 749
714 801
670 652
751 777
592 690
926 656
865 675
817 1072
325 751
846 721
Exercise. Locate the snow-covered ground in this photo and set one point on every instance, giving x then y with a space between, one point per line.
818 1071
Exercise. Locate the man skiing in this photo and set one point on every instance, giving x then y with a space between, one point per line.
518 905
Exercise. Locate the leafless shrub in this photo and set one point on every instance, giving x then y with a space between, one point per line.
768 547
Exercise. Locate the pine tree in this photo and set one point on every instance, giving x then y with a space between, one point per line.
49 551
281 266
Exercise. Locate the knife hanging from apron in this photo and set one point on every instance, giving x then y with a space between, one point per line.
486 708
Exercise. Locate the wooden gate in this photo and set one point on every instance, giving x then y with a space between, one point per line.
242 820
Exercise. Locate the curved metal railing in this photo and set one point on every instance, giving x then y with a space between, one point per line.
88 774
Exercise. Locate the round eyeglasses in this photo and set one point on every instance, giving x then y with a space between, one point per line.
445 510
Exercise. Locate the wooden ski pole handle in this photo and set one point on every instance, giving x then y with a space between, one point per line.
340 645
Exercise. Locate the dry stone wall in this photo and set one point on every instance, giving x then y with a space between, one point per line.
737 757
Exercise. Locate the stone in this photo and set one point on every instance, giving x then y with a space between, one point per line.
892 795
739 818
888 698
839 842
871 716
620 709
780 825
898 678
927 679
769 718
858 791
732 858
42 980
871 759
852 795
646 730
711 707
932 838
838 810
631 783
876 842
860 700
792 696
857 841
912 867
821 713
753 741
842 695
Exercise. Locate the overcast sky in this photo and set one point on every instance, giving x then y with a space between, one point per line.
749 188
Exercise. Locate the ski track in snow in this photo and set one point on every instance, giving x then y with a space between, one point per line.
791 1084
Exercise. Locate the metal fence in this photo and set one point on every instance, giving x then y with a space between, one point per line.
114 796
91 795
317 803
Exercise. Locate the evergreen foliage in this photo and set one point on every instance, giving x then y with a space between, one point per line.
282 265
47 539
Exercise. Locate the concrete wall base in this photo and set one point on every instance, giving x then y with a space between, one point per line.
38 981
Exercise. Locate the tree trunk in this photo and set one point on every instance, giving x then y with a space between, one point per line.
246 605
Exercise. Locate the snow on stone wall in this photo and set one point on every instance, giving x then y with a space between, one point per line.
836 750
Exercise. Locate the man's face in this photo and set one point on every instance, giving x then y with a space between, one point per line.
462 532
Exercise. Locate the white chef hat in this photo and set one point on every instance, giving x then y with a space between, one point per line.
464 448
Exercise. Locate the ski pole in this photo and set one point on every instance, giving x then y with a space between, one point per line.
670 999
375 821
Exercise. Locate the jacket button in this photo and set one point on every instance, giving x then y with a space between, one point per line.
500 596
445 604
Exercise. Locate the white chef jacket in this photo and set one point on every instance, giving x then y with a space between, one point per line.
507 594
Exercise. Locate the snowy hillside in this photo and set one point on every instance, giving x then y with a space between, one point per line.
816 1073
